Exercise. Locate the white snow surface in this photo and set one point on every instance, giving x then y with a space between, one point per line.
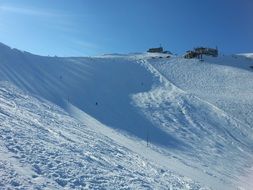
42 147
82 123
248 55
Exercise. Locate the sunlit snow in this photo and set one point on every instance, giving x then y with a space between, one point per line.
137 121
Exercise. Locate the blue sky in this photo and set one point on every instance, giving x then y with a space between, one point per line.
93 27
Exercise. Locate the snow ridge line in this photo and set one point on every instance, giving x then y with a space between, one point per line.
162 79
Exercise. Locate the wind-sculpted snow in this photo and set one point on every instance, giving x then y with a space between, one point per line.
42 147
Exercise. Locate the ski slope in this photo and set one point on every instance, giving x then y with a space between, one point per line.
225 82
42 147
195 115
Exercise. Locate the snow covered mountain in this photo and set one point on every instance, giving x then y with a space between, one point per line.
86 122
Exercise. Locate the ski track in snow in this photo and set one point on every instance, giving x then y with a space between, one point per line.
225 137
42 147
197 117
224 82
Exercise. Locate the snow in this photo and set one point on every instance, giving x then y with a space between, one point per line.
222 86
224 82
84 122
165 161
225 136
246 181
42 147
248 55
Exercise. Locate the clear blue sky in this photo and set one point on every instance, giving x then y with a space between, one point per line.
93 27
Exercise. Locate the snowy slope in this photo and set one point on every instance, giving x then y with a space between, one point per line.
213 136
224 82
42 147
220 86
248 55
194 115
